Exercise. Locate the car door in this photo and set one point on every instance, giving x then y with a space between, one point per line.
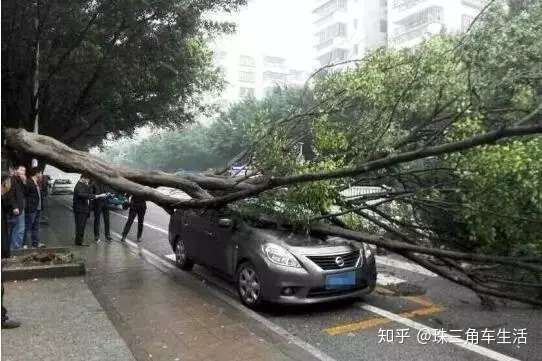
218 247
194 226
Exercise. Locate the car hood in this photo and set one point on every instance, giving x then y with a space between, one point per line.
305 244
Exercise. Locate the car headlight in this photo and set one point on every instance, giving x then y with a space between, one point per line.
280 256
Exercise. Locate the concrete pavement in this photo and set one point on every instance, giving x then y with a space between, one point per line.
61 320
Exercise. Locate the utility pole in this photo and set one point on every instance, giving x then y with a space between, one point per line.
36 76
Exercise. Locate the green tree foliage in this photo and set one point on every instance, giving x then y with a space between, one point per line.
445 89
199 147
107 67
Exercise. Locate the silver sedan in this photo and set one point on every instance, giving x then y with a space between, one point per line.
269 264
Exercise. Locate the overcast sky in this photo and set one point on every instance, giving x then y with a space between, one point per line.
284 27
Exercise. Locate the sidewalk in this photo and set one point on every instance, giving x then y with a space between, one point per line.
61 320
161 314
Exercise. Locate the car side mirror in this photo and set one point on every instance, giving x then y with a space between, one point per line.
225 222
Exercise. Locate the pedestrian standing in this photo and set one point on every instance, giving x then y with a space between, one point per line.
16 199
6 210
33 208
82 195
44 187
138 206
101 210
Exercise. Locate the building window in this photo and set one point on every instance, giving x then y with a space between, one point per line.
355 50
246 92
355 23
247 76
339 54
383 3
245 60
326 36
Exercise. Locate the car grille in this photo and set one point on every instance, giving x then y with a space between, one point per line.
328 262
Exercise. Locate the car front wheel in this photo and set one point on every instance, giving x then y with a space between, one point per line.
181 256
249 285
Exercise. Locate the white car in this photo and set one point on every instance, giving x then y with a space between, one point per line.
62 186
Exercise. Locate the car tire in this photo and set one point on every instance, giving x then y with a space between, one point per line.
249 285
181 257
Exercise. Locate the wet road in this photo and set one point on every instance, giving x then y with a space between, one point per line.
382 326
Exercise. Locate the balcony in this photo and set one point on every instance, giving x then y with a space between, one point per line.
396 41
477 4
401 5
328 9
432 14
333 56
327 36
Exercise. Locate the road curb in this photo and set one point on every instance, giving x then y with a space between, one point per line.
20 271
27 251
48 271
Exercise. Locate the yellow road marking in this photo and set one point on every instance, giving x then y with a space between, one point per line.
424 301
356 326
366 324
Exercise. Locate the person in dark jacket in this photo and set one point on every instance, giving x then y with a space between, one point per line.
138 206
100 209
17 202
45 181
34 202
82 195
6 209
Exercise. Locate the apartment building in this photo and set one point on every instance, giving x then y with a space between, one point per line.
411 21
249 72
347 29
248 65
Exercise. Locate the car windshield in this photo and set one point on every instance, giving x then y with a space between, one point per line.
62 181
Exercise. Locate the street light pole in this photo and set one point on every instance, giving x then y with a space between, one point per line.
36 77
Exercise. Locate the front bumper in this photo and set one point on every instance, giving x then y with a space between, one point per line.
309 283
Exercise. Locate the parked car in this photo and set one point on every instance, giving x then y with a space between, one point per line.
271 264
62 186
117 201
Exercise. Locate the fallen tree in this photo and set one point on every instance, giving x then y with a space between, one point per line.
209 190
142 183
